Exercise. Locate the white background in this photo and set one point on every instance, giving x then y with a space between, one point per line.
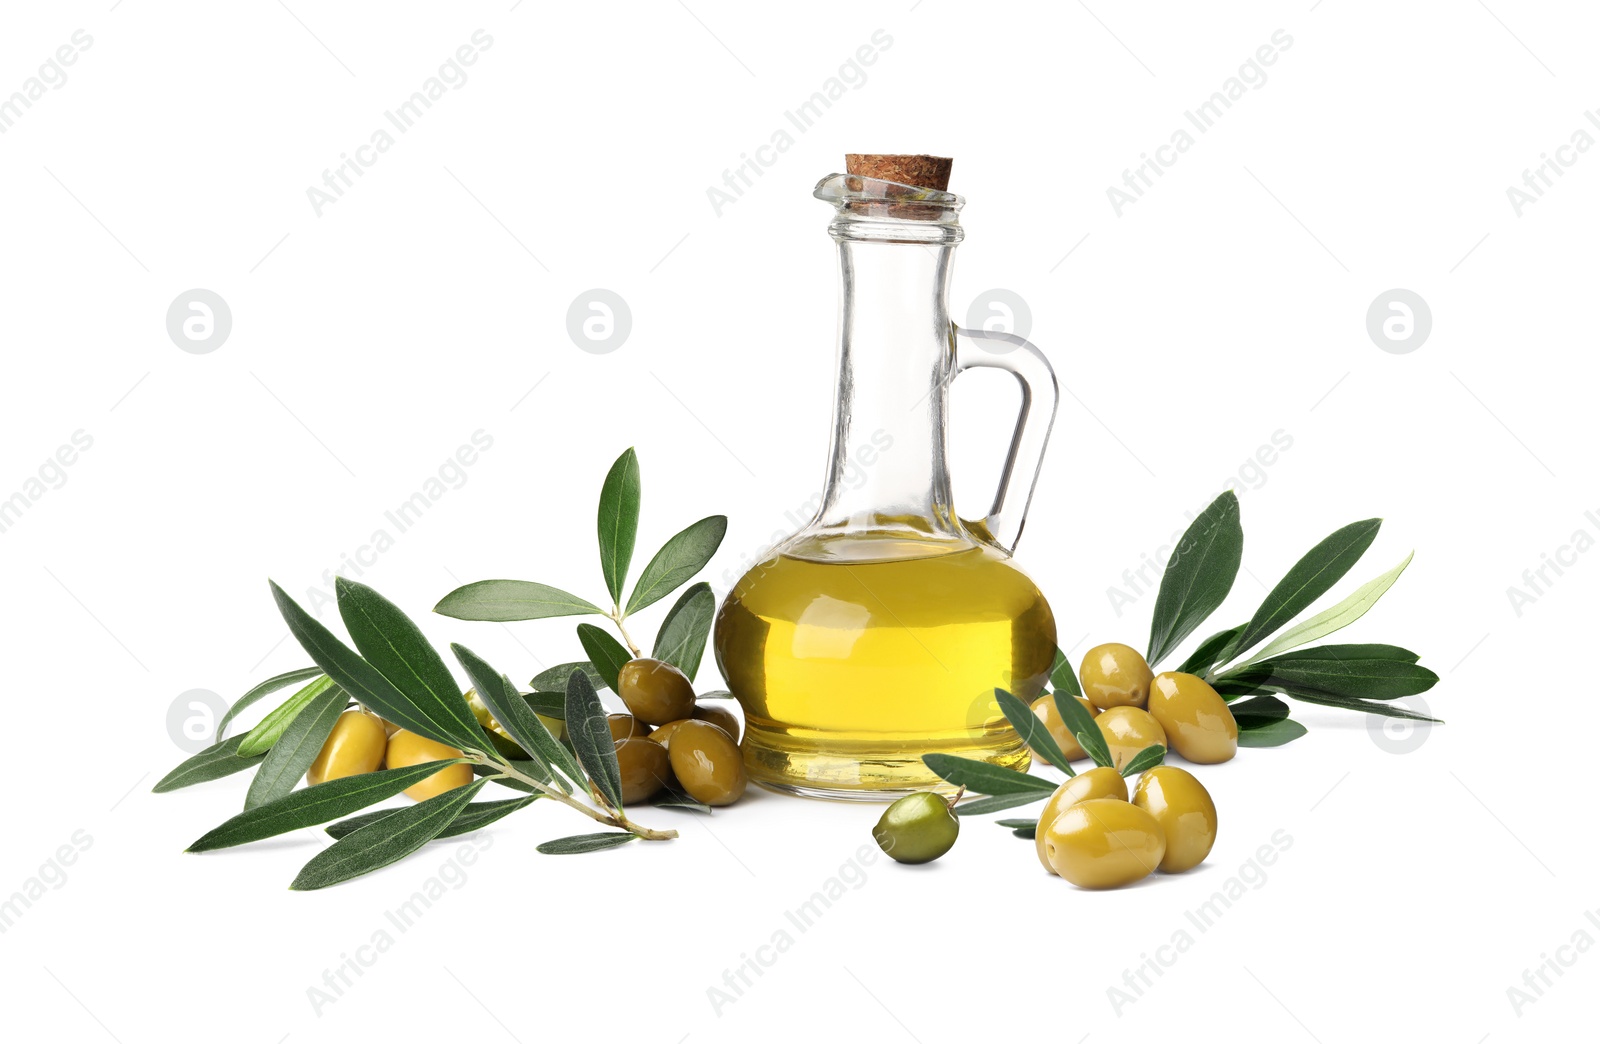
428 303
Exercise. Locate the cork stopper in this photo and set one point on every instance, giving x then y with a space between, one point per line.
929 172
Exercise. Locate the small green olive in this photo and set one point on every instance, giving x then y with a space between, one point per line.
1197 721
655 691
918 828
1098 782
708 764
718 713
1187 815
1104 843
1045 709
1115 675
1128 730
626 726
355 746
645 769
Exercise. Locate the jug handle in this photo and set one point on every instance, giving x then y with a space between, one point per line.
1040 396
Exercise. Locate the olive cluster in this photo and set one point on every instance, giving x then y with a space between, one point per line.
1091 834
363 742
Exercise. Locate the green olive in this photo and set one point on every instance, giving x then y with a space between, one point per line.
356 745
407 749
1045 709
1128 730
918 828
708 764
1115 675
1099 782
1104 843
719 714
626 726
655 691
645 769
1187 815
1198 723
663 734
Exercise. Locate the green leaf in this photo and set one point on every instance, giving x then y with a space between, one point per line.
674 799
355 675
1372 679
216 761
591 738
1384 710
260 739
1063 678
1340 616
506 600
1259 712
550 704
682 556
297 748
580 843
1027 828
388 840
475 816
619 521
1285 730
682 638
1349 652
394 645
1080 723
980 777
271 685
997 803
1032 730
1199 575
1209 653
314 805
1147 758
554 679
1309 579
605 653
518 718
715 694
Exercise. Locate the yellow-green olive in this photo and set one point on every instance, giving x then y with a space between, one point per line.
1104 843
918 828
663 735
1099 782
655 691
645 769
356 745
1045 709
626 726
407 749
1115 675
719 714
556 726
1198 723
708 764
1187 815
1128 730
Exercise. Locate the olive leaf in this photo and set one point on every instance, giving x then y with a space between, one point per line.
619 521
1062 676
580 843
271 685
384 841
684 554
1258 712
297 748
1032 730
1275 734
550 704
260 739
1080 723
681 641
998 803
507 600
314 805
474 817
1338 617
554 679
1027 828
591 738
1373 679
1309 579
1384 710
1147 758
215 762
1199 575
675 799
605 653
980 777
394 645
1209 652
519 719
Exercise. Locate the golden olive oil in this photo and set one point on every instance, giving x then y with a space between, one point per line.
854 657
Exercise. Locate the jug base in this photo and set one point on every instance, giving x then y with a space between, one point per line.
880 772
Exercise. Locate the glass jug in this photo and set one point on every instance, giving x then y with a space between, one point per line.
879 631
